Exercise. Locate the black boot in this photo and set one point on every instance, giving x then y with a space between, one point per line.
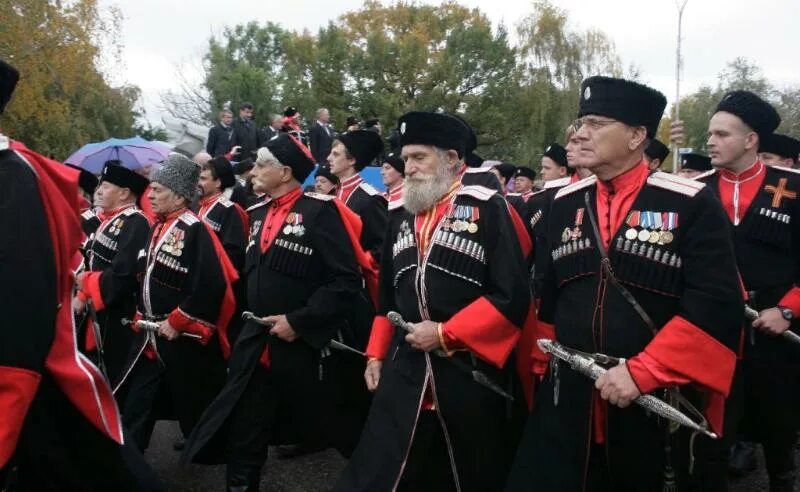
240 478
742 459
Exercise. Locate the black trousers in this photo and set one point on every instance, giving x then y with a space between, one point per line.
249 432
768 411
428 464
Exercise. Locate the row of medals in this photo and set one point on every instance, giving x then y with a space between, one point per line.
648 236
460 226
174 246
296 229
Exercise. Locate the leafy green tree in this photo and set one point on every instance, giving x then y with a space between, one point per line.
62 100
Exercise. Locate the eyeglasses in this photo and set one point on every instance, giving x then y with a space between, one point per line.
592 124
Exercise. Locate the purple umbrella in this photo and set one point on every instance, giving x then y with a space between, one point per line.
134 153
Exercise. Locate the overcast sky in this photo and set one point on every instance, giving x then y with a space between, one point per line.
158 35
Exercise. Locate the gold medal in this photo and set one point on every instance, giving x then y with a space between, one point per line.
655 236
180 245
631 234
290 218
178 252
566 235
644 235
288 229
666 237
472 228
460 226
167 248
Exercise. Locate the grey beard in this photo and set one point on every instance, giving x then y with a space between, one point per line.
420 196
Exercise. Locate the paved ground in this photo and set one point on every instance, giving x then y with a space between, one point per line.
313 473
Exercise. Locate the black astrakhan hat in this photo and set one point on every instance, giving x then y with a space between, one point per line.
325 172
363 145
657 150
438 129
124 178
289 111
473 160
756 113
243 166
557 153
697 162
629 102
224 171
397 162
371 122
525 172
292 153
506 170
9 76
351 120
86 180
782 145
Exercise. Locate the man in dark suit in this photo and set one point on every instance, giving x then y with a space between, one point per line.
271 131
245 133
220 135
321 136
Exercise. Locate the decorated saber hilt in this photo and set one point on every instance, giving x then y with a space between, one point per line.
152 327
334 344
589 368
479 377
751 315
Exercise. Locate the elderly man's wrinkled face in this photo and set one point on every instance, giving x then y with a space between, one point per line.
429 175
522 184
163 200
269 175
602 141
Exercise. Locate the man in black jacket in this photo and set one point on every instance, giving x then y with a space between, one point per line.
321 136
245 133
220 135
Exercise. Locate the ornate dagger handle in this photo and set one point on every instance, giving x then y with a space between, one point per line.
152 326
588 367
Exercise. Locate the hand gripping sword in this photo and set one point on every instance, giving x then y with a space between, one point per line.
152 327
334 344
586 366
477 376
751 315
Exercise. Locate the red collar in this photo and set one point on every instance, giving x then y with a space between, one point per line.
208 201
396 192
351 182
288 197
171 216
103 215
629 179
746 175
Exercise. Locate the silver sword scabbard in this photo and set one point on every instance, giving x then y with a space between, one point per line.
478 376
751 315
590 369
334 344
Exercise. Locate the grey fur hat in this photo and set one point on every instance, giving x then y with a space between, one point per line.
179 174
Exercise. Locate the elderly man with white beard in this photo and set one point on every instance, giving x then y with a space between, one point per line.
453 268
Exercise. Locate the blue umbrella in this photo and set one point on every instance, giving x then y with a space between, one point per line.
134 153
370 174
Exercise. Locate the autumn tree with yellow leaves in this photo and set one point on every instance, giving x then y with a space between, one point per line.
62 100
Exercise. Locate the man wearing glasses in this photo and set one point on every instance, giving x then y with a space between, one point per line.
652 253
